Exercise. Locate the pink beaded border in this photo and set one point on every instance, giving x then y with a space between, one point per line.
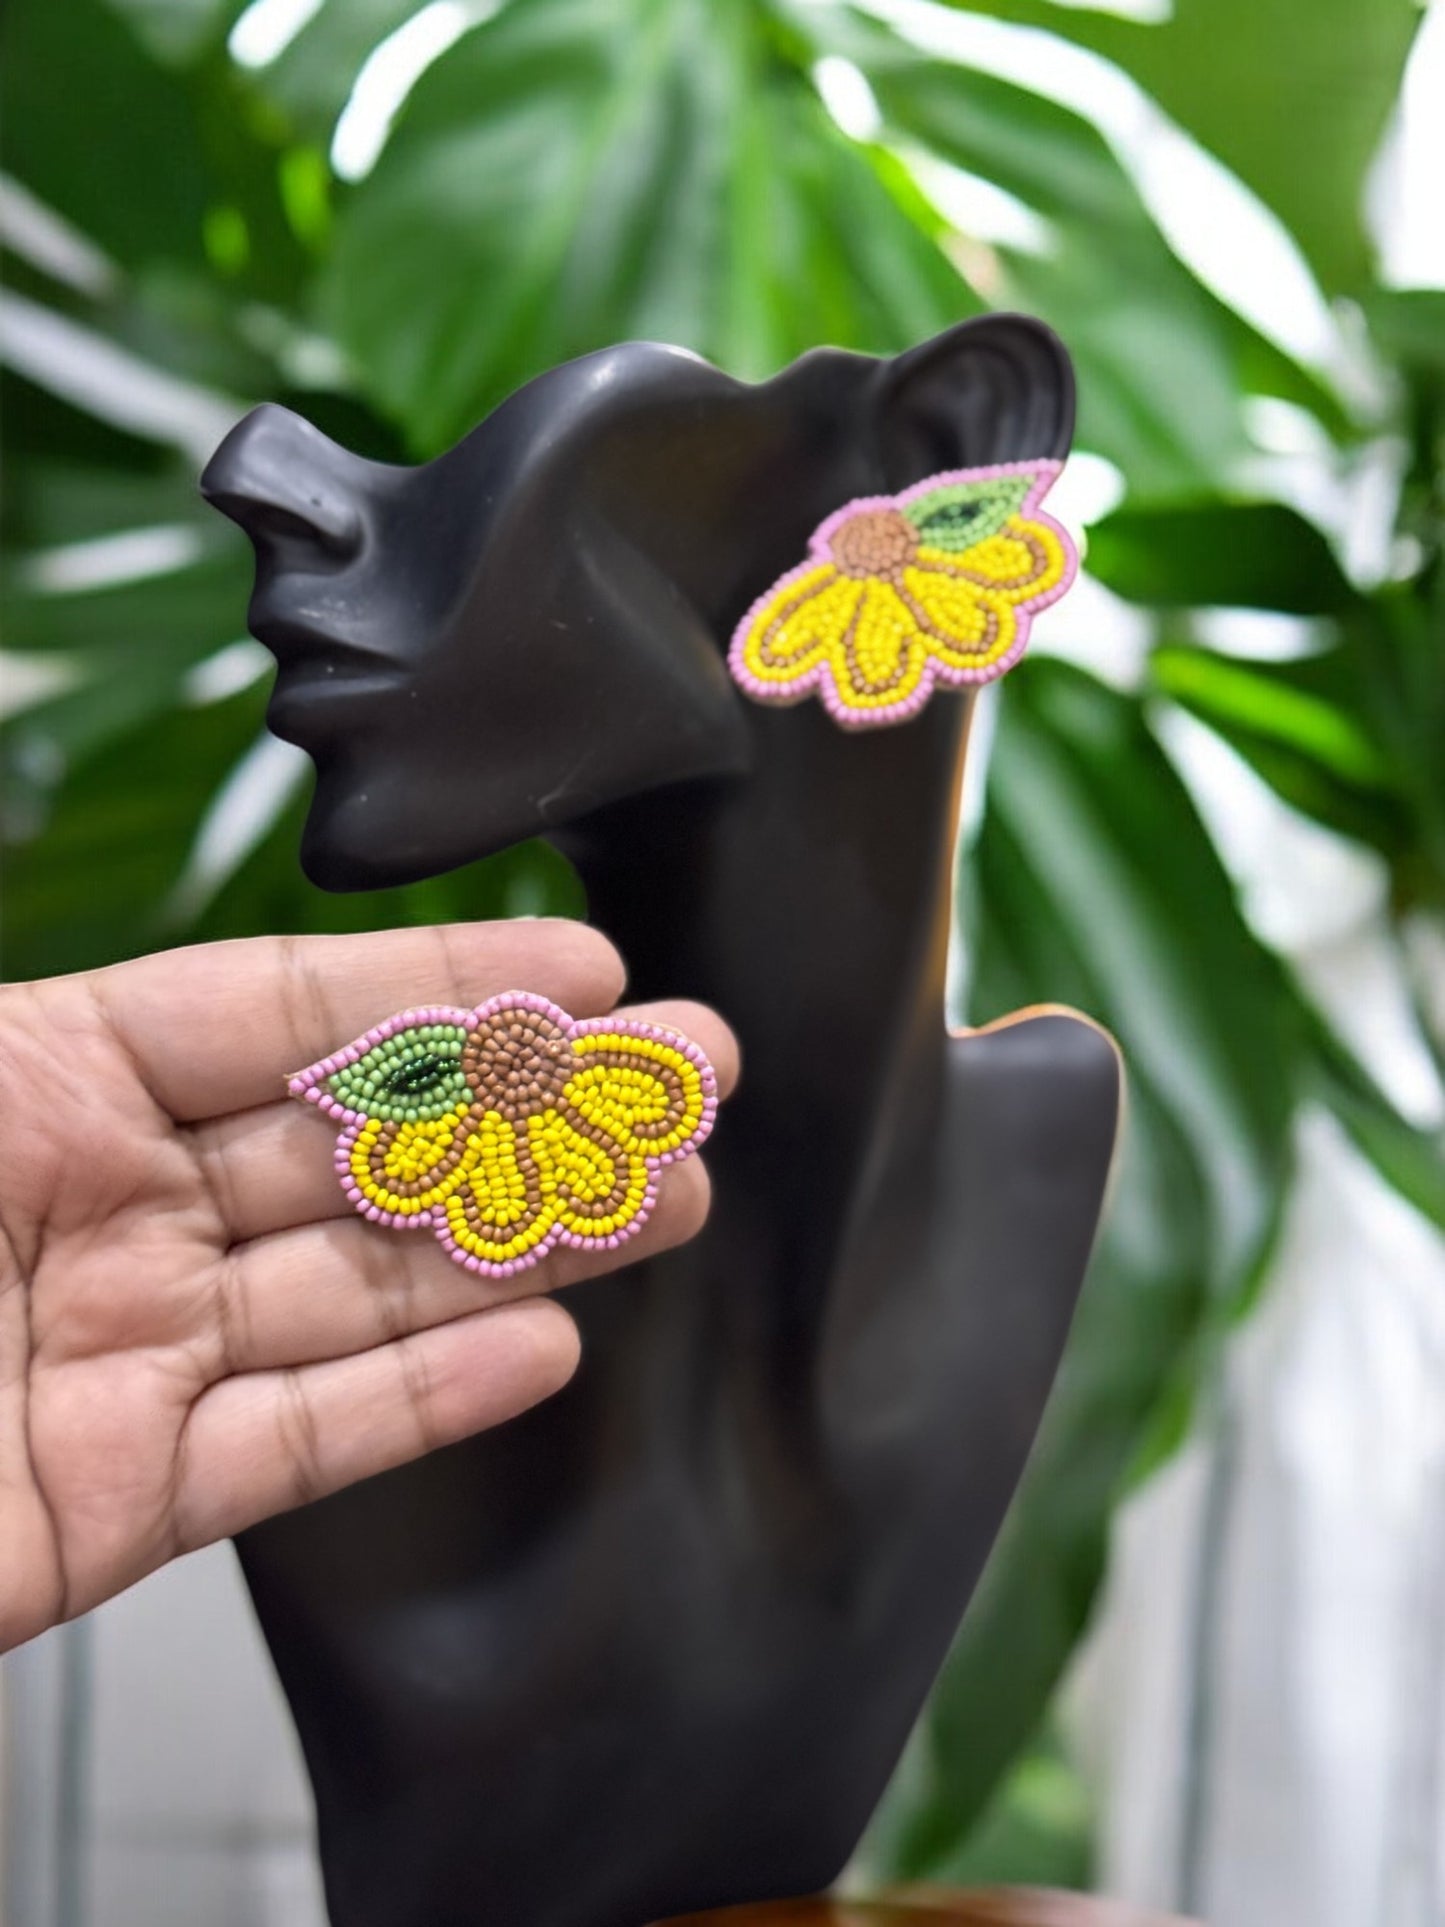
819 681
309 1087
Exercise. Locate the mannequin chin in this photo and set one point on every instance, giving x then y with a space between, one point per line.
363 831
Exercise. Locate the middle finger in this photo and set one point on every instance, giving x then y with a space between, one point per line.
331 1290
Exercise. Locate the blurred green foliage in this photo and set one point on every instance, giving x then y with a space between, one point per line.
568 173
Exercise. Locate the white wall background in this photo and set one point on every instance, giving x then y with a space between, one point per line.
180 1799
1262 1703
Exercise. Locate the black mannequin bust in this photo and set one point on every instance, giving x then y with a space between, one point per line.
657 1645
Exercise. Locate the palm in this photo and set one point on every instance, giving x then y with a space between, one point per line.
195 1331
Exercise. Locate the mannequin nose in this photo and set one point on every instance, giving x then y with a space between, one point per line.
284 483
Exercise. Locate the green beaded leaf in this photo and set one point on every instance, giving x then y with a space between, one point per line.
959 514
411 1077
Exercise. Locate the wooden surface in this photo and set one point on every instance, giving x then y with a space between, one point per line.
980 1907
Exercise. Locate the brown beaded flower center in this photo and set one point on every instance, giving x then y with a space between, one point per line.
517 1062
876 542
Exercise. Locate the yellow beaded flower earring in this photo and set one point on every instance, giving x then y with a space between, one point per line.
900 594
511 1128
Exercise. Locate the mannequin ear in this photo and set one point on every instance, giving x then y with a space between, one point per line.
998 389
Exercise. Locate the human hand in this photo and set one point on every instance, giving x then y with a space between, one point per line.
196 1330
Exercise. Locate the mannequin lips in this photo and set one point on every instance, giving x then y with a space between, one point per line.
307 707
313 668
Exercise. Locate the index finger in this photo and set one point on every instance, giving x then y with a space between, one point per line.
218 1027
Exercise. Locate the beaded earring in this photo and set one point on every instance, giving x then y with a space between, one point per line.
511 1128
900 594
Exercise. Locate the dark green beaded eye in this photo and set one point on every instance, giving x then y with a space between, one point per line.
409 1078
417 1075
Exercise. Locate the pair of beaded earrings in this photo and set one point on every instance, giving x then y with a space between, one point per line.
512 1128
